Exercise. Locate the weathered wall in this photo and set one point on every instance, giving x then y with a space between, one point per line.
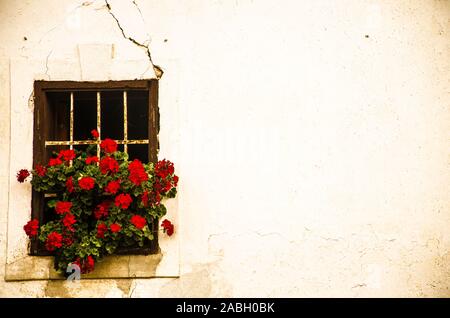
311 137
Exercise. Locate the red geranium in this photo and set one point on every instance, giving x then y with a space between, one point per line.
123 201
69 184
108 164
102 210
89 265
101 230
54 162
144 198
63 207
138 221
108 145
54 240
86 183
164 185
163 168
113 186
67 154
161 186
95 134
157 187
137 172
167 227
86 265
155 198
69 220
167 186
31 228
115 227
68 240
22 175
40 170
108 201
92 159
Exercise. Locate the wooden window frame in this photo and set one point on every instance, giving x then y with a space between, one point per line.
40 134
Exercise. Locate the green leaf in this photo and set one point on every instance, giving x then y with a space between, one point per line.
52 203
84 202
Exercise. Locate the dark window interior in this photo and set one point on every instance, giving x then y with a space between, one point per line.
137 115
59 112
84 114
112 115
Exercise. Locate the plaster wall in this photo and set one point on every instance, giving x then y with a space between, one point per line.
311 138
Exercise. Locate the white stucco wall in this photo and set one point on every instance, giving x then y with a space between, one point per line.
311 138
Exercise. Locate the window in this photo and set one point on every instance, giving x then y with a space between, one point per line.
65 113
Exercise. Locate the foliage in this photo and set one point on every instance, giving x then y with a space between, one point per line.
101 204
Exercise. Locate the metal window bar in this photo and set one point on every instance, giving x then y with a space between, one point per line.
125 122
99 123
93 142
71 120
71 126
71 142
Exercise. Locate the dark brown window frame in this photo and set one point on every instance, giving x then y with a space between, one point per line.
41 131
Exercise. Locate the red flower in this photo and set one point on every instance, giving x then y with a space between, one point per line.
115 227
22 175
108 145
69 184
63 207
40 170
68 240
157 186
67 154
167 186
109 164
101 230
137 172
54 240
123 200
102 210
86 183
69 220
167 227
54 162
155 198
86 265
138 221
31 228
89 264
161 188
175 181
95 133
163 168
92 159
113 186
144 198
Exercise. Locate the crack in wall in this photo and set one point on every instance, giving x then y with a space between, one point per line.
158 71
132 289
359 285
140 13
46 63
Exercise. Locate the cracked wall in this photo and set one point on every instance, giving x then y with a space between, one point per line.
311 138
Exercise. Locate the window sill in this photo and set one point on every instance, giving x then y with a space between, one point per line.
114 266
